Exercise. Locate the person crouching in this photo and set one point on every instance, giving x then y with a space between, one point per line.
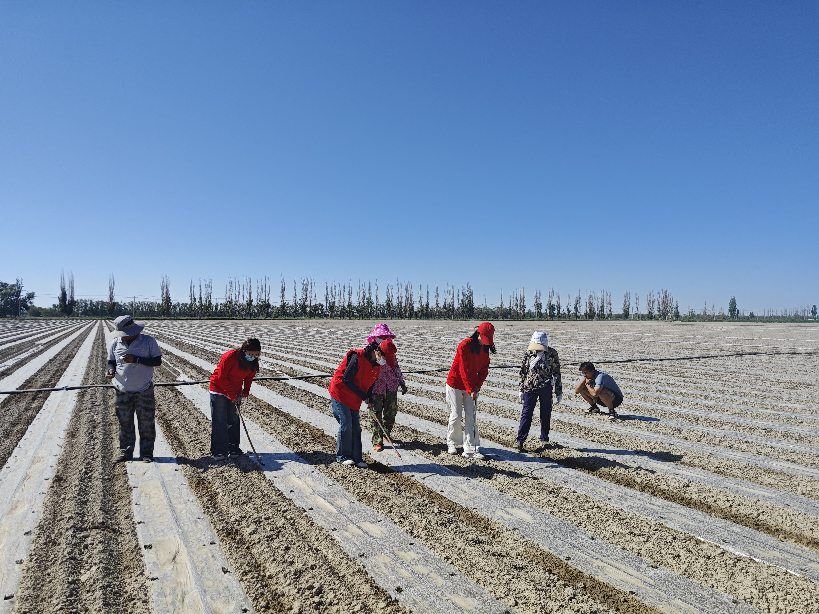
231 380
351 384
385 397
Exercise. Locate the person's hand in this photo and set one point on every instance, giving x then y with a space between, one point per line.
558 399
520 397
403 389
110 374
474 396
129 358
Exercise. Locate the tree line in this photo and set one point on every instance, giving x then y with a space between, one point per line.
248 298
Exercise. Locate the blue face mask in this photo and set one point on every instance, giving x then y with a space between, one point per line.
249 358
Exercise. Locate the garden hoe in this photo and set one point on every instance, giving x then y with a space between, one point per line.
386 435
249 440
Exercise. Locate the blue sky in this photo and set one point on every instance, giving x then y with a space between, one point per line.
587 145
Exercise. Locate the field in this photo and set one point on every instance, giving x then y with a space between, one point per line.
704 496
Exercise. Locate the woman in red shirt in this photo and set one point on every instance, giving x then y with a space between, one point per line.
352 383
466 376
231 378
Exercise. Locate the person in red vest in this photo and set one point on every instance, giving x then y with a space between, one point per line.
231 377
351 384
466 376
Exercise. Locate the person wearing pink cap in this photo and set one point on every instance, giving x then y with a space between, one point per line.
380 332
466 376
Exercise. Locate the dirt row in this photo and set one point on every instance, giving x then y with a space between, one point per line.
23 347
85 556
19 410
771 589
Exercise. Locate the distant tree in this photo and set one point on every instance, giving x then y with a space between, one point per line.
538 305
12 300
813 312
577 305
733 312
626 304
165 296
112 303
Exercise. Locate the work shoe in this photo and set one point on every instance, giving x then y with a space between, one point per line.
450 449
361 465
519 446
124 457
218 457
378 447
348 462
146 459
236 452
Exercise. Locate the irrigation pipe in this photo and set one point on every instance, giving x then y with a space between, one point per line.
284 378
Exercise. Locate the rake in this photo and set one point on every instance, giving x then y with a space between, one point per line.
238 404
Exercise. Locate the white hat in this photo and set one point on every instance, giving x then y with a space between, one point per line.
539 341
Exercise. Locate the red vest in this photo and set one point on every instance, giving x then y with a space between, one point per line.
366 376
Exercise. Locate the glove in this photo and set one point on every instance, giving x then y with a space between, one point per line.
520 397
558 399
403 389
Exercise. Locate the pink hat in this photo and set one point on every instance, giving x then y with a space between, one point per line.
380 330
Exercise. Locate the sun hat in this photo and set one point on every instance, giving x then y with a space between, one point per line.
486 333
126 327
539 341
380 330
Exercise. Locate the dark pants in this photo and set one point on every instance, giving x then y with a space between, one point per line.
143 404
348 439
544 395
225 426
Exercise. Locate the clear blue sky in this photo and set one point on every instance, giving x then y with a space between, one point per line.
618 145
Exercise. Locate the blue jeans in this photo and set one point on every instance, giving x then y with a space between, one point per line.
544 395
225 426
348 438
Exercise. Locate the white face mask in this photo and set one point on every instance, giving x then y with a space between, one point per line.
381 361
249 358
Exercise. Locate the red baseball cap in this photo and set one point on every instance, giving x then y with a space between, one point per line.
486 333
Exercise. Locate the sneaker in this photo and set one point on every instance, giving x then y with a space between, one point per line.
396 443
520 447
361 465
450 449
348 462
378 447
593 409
125 456
613 415
474 455
218 457
147 459
236 452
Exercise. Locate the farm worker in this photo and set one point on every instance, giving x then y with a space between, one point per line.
384 405
599 387
380 332
231 379
539 375
466 376
132 358
351 384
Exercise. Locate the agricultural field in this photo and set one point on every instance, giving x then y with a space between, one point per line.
702 497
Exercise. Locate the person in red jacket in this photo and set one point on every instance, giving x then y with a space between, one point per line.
351 384
466 376
231 378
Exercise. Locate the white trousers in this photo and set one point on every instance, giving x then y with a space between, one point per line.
463 429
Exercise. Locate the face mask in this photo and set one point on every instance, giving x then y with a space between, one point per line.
249 358
378 339
381 361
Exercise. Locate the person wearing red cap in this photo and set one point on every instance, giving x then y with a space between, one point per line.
466 376
351 384
385 396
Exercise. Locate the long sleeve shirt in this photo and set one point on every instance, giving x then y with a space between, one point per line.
545 372
469 369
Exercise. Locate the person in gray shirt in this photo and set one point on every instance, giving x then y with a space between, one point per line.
599 387
132 358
